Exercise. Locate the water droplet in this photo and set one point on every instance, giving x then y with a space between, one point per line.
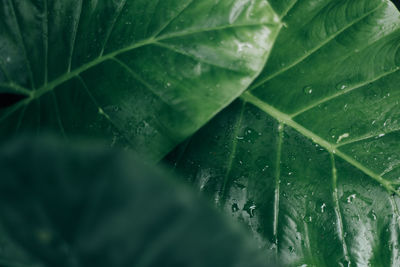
345 135
235 207
342 85
333 132
323 207
8 59
351 198
372 215
308 90
249 207
388 121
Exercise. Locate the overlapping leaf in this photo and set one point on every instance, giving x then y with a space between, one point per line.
309 157
86 206
140 73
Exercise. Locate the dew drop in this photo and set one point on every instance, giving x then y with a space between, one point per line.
342 85
343 136
323 207
307 90
249 207
351 198
235 207
372 215
333 132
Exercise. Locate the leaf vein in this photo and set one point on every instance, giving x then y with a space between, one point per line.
22 44
232 155
339 219
343 92
287 119
74 34
142 81
313 51
118 12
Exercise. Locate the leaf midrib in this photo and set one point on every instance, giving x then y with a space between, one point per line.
33 94
331 148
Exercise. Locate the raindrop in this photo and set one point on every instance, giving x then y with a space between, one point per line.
265 167
308 90
249 207
351 198
235 207
372 215
345 135
333 132
342 85
323 207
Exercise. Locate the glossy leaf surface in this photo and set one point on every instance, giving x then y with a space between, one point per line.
86 206
139 73
309 158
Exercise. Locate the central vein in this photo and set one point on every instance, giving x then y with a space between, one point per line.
332 148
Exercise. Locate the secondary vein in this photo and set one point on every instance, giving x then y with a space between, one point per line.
232 154
287 119
339 219
277 184
314 50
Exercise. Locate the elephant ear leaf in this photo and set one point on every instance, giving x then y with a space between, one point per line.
64 205
139 73
309 157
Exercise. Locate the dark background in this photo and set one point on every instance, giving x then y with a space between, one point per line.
397 3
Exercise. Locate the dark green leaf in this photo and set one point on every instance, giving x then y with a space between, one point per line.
309 159
63 206
140 73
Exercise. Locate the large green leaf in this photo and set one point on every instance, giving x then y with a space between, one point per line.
309 158
86 206
140 73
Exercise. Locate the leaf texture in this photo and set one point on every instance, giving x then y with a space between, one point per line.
308 158
142 74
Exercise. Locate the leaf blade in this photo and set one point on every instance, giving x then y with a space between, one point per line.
310 186
71 38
